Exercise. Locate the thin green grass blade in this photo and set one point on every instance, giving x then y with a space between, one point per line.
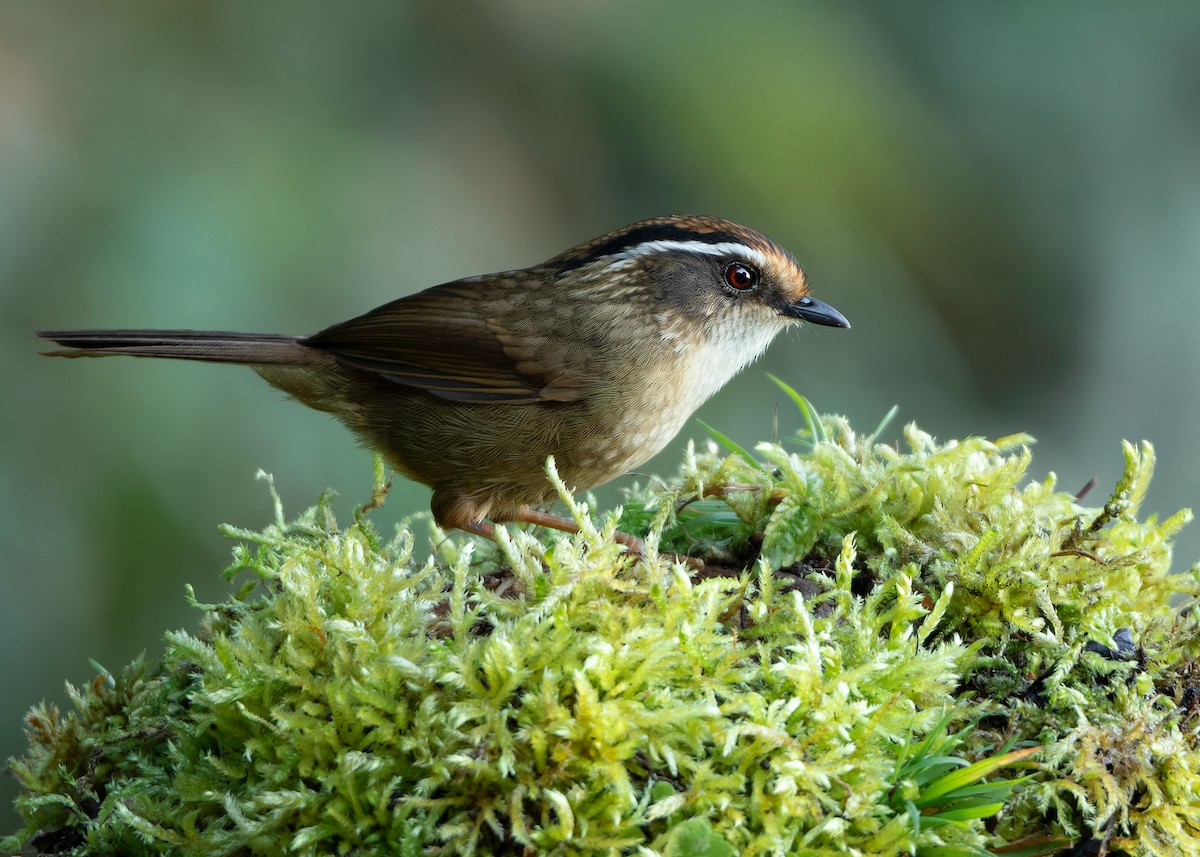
966 776
815 429
732 445
883 424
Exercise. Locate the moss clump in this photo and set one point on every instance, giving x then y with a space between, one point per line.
793 697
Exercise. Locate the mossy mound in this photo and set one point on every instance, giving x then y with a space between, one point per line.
794 697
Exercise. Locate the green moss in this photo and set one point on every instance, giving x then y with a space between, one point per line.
564 697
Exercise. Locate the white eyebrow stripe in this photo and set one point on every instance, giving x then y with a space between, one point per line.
727 248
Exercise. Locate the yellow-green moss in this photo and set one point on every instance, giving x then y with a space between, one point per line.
560 696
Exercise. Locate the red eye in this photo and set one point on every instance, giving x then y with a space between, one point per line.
740 277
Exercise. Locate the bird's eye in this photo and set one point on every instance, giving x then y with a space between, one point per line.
740 276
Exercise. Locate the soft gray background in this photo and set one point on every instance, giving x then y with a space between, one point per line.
1003 198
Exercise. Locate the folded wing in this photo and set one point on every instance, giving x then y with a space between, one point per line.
444 340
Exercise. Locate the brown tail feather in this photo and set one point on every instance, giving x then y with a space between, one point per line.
263 349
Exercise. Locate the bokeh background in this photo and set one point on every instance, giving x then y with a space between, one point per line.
1003 198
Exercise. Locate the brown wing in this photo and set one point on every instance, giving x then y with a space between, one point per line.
442 340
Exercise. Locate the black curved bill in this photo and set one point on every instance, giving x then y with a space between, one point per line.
818 312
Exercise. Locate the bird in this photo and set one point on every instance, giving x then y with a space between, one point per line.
597 357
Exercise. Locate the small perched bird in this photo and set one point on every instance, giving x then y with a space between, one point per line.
596 357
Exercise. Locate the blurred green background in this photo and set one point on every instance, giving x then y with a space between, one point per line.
1003 198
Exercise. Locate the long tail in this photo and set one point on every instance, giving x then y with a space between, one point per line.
263 349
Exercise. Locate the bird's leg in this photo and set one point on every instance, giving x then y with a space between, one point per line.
526 515
541 519
478 528
636 546
566 525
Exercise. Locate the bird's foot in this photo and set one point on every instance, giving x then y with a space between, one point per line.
632 543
